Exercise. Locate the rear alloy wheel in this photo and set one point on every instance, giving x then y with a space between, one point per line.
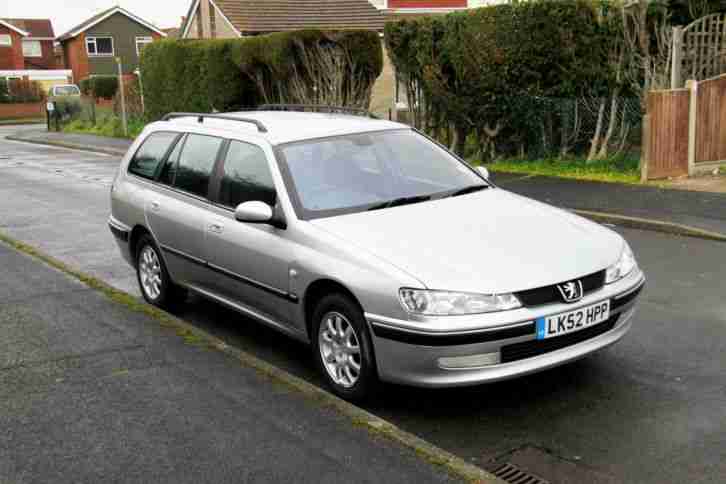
150 273
154 281
342 347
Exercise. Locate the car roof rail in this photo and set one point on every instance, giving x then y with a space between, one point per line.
201 116
317 108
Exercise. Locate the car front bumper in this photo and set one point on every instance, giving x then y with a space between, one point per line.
406 353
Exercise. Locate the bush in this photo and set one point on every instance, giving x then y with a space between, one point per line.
24 91
486 72
4 94
100 87
132 95
290 67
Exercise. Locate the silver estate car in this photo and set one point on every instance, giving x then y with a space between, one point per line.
393 258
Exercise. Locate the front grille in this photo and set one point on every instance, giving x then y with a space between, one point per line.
528 349
550 294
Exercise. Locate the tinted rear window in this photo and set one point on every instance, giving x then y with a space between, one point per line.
147 158
196 163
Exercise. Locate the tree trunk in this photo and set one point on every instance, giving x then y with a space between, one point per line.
603 153
595 143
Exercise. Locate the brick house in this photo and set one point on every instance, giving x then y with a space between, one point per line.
91 48
26 44
209 19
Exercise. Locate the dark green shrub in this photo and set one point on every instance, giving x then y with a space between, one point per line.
99 87
25 91
4 95
485 72
85 87
224 75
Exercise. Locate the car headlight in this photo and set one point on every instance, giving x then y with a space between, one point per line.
445 303
624 266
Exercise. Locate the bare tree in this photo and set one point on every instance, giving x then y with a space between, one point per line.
648 47
699 8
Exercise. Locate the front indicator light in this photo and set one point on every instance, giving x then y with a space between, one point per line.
624 266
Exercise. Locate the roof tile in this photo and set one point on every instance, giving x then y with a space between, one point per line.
281 15
35 27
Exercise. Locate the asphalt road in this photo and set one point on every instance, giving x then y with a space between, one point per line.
650 409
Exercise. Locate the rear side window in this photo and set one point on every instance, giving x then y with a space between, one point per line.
168 171
196 163
246 176
147 158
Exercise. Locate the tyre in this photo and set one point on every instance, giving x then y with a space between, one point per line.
342 347
154 281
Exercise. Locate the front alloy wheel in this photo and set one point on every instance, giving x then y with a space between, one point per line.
339 349
342 347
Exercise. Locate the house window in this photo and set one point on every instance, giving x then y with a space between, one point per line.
99 46
31 48
5 40
141 42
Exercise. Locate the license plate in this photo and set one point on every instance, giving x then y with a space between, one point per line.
570 322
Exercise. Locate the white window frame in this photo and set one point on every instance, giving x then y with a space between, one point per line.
33 42
92 40
145 40
6 40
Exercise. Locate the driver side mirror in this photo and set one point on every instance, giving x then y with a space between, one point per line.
483 171
259 213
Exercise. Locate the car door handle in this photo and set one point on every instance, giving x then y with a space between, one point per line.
155 206
216 228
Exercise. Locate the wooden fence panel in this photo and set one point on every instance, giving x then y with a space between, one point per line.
668 134
711 120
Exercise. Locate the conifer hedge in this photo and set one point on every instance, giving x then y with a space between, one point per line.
483 73
293 67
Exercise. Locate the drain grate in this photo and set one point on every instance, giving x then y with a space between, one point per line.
514 475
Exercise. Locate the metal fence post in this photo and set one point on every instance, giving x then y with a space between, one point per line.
123 96
677 58
141 91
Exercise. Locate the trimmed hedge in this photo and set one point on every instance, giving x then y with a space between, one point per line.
224 75
487 70
4 93
100 86
194 76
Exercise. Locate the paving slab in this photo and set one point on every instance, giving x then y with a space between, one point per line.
91 391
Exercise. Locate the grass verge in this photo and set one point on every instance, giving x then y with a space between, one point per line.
374 425
614 171
107 124
18 121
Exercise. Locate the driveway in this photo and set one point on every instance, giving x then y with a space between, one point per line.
651 409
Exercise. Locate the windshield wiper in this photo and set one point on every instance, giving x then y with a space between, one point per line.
465 190
401 201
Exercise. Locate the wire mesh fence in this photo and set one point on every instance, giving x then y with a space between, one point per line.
535 127
591 127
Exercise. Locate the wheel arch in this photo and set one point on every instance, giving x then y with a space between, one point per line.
316 291
136 233
319 289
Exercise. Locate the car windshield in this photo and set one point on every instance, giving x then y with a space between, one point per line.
67 91
346 174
